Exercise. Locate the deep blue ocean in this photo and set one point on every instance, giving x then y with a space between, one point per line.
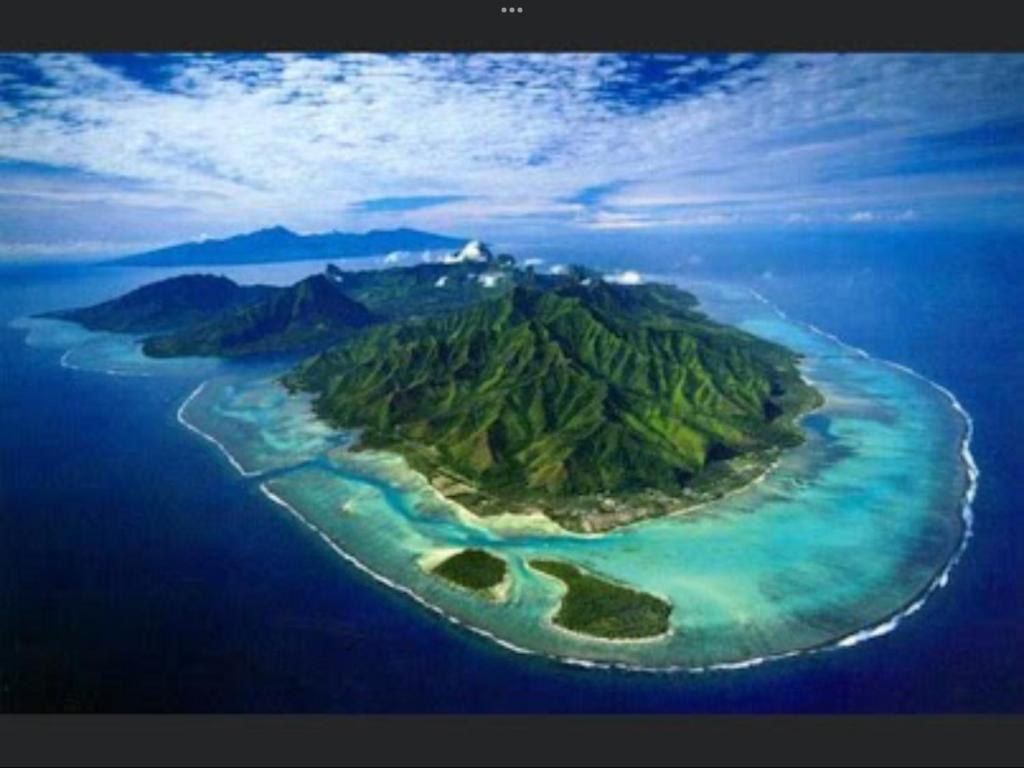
137 573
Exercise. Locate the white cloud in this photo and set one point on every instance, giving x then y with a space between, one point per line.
490 279
626 277
226 145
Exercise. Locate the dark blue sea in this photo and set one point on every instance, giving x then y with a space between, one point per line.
137 573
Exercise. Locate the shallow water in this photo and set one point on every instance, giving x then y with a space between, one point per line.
848 531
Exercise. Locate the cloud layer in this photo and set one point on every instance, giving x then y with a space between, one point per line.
129 151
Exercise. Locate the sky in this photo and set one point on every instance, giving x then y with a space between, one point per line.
112 154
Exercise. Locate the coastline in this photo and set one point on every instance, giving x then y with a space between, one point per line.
538 522
206 436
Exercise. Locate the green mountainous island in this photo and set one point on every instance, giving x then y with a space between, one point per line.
593 403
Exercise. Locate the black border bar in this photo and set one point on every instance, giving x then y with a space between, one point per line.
455 741
551 25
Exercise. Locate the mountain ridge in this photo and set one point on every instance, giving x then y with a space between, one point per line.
164 305
279 243
310 313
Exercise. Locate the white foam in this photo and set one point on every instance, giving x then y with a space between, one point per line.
65 362
205 435
384 579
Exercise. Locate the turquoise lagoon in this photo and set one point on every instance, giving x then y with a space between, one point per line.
844 537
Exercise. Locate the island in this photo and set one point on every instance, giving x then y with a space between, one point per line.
599 608
277 244
166 304
308 315
592 403
473 569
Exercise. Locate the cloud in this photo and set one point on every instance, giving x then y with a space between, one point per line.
161 147
626 277
411 203
490 279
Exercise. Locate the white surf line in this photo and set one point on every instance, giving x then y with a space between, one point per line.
890 623
350 558
65 362
206 436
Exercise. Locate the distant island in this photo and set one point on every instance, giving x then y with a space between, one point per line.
281 244
592 403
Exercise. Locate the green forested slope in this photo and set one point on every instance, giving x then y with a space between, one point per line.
582 391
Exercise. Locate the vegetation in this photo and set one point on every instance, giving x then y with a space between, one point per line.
596 404
310 314
473 569
597 607
167 304
209 315
426 290
593 403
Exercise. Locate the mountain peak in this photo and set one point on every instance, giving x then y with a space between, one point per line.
277 231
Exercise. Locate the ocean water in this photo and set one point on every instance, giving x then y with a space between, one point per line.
144 572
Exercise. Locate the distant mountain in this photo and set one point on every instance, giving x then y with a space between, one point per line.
281 244
166 304
310 314
597 404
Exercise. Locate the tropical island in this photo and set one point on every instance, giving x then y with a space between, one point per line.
598 607
593 403
473 569
565 394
